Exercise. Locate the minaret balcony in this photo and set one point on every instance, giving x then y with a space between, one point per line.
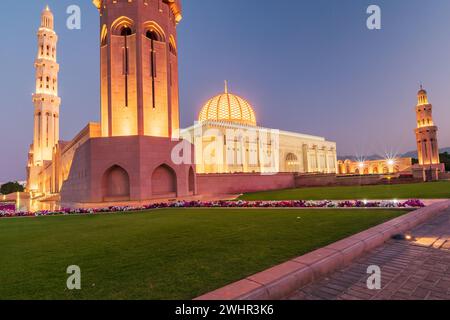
47 98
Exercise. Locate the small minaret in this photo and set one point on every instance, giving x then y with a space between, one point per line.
426 132
45 99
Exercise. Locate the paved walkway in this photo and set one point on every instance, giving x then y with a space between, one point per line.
414 270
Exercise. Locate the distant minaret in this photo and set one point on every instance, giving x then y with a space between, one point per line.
426 132
45 99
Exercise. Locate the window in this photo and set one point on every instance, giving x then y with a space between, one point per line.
153 36
47 128
125 33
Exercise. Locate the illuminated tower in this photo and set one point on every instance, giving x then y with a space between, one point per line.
45 99
426 132
139 67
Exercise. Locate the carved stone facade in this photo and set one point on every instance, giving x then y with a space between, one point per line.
429 165
46 102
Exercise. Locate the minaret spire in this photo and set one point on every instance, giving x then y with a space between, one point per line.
47 20
426 132
45 99
226 86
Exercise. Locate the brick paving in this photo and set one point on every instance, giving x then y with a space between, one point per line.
415 270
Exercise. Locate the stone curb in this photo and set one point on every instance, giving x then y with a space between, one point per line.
282 280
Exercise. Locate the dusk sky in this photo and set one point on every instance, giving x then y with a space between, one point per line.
308 66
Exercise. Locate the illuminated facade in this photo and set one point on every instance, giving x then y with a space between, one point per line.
139 67
426 132
375 167
227 139
134 153
45 99
429 165
127 156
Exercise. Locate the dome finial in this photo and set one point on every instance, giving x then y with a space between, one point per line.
226 87
422 95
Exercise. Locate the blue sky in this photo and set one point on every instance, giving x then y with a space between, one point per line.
308 66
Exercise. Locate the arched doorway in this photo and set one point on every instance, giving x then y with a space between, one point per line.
375 170
292 164
191 181
164 182
116 184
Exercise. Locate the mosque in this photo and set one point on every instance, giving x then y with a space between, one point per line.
138 152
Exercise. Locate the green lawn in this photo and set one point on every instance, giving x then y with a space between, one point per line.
433 190
165 254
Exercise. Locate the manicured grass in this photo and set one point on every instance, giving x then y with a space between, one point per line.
432 190
164 254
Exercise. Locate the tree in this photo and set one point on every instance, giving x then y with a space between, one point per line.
445 158
11 187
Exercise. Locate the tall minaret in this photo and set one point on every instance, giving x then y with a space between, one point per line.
139 67
45 99
426 132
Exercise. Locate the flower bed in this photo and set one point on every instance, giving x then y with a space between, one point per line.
7 206
8 211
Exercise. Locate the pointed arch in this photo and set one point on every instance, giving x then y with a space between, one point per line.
151 28
116 184
173 45
121 24
291 163
164 181
191 180
104 35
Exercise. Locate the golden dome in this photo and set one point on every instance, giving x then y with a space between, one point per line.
228 107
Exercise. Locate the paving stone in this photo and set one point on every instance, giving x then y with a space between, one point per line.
410 270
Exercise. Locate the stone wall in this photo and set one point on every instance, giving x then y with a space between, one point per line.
129 163
208 184
323 180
